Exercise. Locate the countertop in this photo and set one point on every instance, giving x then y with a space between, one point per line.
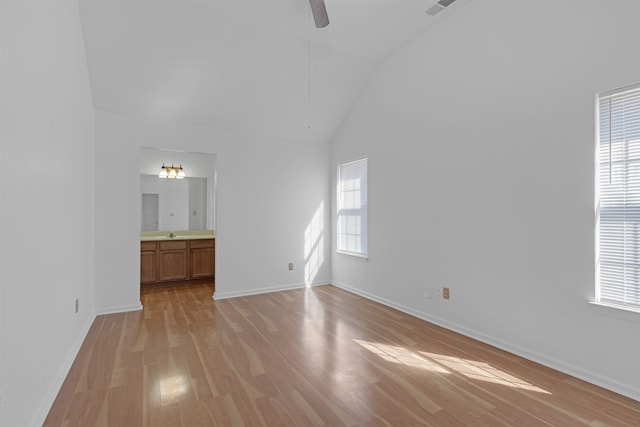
147 236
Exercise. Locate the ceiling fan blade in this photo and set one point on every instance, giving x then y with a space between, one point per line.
319 13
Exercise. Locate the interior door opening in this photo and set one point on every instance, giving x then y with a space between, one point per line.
178 217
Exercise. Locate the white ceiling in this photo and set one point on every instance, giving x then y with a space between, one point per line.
256 65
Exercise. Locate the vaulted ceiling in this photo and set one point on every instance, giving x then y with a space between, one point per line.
256 65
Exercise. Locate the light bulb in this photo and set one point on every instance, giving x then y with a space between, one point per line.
163 172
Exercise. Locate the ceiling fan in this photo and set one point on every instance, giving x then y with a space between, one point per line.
319 12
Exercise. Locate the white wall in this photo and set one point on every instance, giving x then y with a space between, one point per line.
268 192
46 224
480 138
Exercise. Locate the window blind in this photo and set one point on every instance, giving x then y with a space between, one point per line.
352 207
618 197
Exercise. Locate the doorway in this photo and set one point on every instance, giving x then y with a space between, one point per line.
178 218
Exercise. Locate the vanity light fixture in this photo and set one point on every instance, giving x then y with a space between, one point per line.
171 172
163 172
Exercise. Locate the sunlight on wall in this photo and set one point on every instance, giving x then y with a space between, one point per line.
447 365
314 246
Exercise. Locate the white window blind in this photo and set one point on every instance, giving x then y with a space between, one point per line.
352 207
618 198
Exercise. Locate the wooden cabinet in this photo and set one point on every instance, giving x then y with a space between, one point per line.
148 262
176 261
201 256
172 260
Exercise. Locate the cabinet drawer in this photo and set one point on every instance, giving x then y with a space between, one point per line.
203 243
147 246
179 244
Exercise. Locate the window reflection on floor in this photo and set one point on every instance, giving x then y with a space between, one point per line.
444 364
172 388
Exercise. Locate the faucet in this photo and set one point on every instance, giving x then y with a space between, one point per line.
171 235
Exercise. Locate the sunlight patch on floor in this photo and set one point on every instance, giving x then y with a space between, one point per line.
444 364
403 356
482 371
172 388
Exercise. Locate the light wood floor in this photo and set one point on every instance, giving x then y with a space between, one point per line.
309 357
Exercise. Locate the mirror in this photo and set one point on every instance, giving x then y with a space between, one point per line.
177 204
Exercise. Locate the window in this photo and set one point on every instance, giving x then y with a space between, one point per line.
352 208
618 198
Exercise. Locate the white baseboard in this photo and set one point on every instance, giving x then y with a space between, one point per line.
256 291
624 389
45 407
119 309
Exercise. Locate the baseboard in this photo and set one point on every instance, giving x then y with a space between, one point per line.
46 405
256 291
550 362
119 309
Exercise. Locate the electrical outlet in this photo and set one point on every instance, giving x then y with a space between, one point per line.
445 293
77 305
290 266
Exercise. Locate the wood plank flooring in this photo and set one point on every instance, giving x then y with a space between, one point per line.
309 357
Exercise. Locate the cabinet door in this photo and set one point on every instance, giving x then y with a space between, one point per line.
148 267
201 262
173 264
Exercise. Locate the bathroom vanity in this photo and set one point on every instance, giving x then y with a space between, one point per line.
181 259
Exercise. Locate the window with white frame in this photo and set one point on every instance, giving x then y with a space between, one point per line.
618 198
352 208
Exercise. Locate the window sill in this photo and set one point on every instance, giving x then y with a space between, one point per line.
618 311
354 254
